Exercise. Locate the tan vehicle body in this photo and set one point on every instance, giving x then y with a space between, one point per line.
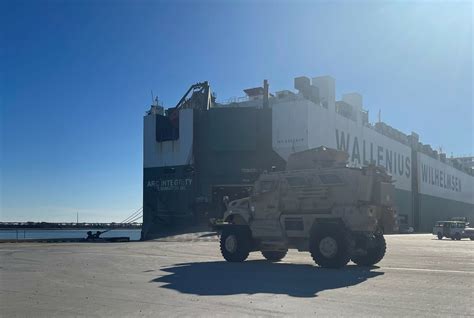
317 194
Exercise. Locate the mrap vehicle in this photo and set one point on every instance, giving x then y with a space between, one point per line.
317 204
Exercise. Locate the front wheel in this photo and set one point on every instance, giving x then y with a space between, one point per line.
235 244
374 254
457 236
329 246
440 236
274 256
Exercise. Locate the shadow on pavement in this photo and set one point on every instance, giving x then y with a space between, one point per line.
252 277
198 231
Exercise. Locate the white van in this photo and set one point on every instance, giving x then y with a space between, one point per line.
450 229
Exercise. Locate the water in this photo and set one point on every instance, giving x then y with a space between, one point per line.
21 234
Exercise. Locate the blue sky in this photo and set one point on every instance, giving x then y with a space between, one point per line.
76 76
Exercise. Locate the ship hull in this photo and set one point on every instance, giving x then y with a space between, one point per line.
221 152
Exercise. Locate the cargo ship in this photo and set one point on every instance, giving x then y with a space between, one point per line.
201 150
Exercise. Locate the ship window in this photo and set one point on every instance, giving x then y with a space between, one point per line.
189 169
330 179
170 170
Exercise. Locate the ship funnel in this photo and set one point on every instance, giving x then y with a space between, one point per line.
265 94
327 91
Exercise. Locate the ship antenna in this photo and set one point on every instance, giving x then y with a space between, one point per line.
152 97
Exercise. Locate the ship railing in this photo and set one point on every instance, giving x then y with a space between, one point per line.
234 100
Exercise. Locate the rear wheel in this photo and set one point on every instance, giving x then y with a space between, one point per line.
329 246
235 243
457 236
274 256
440 236
374 253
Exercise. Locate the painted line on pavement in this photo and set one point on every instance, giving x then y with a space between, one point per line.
427 270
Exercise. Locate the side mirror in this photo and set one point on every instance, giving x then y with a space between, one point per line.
225 200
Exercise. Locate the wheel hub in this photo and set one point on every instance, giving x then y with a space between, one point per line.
231 243
328 247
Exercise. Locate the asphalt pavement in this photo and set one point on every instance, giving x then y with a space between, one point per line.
186 276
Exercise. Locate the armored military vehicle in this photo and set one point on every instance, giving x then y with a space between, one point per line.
317 204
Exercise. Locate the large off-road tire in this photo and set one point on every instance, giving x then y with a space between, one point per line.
274 256
440 236
457 236
374 254
235 243
472 238
330 246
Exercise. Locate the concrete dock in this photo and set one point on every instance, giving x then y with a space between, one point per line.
186 276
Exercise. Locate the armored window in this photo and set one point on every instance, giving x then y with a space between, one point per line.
296 181
266 186
330 179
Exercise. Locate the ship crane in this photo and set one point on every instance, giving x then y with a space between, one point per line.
201 98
